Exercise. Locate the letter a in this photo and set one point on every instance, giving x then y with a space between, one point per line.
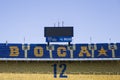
84 51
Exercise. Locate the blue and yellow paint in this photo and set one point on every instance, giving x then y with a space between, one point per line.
77 51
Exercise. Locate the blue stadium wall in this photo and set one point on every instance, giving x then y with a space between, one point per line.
102 51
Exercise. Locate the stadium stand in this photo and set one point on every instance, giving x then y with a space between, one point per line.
77 70
43 70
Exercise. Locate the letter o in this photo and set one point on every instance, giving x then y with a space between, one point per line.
38 51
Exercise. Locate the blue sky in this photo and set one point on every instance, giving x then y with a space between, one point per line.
98 19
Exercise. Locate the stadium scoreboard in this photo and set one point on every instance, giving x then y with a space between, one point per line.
58 34
57 52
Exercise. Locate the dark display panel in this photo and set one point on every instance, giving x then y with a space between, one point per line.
58 31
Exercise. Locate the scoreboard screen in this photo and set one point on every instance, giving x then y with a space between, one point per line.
58 32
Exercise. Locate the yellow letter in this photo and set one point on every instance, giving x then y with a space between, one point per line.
38 51
59 51
84 51
14 51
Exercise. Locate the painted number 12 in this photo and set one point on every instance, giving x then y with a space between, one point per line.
62 75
